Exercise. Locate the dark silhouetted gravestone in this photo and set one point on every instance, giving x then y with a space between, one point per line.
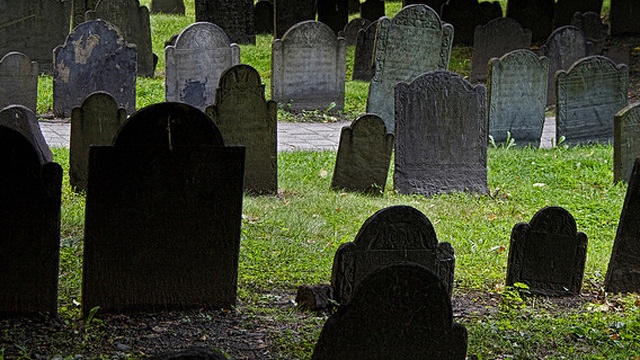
441 135
565 9
372 10
623 16
79 8
400 311
194 64
466 15
245 117
334 13
350 32
626 144
167 7
436 5
394 234
308 68
19 79
163 213
535 15
95 57
95 122
290 12
594 30
414 42
263 17
590 93
548 254
364 155
234 17
30 191
517 96
24 120
363 56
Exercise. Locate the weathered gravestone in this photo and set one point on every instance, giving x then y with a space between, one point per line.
334 13
401 311
535 15
590 93
517 96
18 81
350 31
466 15
594 30
548 254
167 7
394 234
263 17
623 17
245 117
79 9
234 17
372 10
363 68
441 135
163 213
436 5
95 57
194 64
414 42
95 122
364 155
290 12
308 68
626 147
24 120
565 9
30 191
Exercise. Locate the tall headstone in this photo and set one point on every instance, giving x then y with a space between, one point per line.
234 17
466 15
290 12
413 42
363 68
24 120
623 15
594 30
175 7
194 64
535 15
19 81
436 5
350 31
334 13
79 9
548 254
372 10
565 9
263 17
626 147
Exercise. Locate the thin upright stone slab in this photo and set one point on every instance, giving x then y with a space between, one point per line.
466 15
175 7
441 135
413 42
19 79
623 16
595 31
590 93
334 13
363 68
548 254
290 12
194 64
350 31
263 17
626 144
372 10
25 121
535 15
565 9
234 17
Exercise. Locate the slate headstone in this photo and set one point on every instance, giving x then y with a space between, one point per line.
263 17
594 30
623 16
565 9
234 17
363 68
334 13
535 15
466 15
79 9
290 12
24 121
372 10
626 147
350 31
436 5
175 7
19 81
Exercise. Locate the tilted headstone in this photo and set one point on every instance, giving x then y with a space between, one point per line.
401 311
363 68
350 32
466 15
19 81
436 5
364 155
244 117
626 144
548 254
334 13
413 42
194 64
372 10
79 9
394 234
163 213
308 68
535 15
565 9
590 93
234 17
263 17
290 12
167 7
95 57
441 135
594 30
517 96
623 16
24 121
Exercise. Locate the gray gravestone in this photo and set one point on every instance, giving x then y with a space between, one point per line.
194 64
95 57
548 254
466 15
441 135
290 12
175 7
308 68
372 10
234 17
163 214
364 155
263 17
394 234
590 93
95 122
535 15
334 13
245 117
401 311
414 42
626 147
18 81
24 120
594 30
436 5
623 16
350 32
565 9
78 10
363 68
517 96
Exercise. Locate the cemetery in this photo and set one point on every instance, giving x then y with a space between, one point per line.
482 200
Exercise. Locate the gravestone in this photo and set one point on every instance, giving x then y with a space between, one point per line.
394 234
623 16
590 93
466 15
363 68
163 213
548 254
19 81
413 42
95 122
436 5
496 38
95 57
30 191
517 96
290 12
194 64
246 118
78 10
350 32
594 30
364 155
565 9
400 311
535 15
441 135
372 10
24 121
308 68
175 7
263 17
354 6
234 17
626 147
334 13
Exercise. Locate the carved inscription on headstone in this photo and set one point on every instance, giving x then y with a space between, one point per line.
290 12
535 15
234 17
626 143
363 68
19 79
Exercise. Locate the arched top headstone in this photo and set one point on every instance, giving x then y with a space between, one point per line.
242 78
202 35
19 79
25 122
308 32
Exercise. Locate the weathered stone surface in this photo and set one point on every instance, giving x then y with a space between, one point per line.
24 121
263 17
350 32
372 10
436 5
363 68
95 57
466 15
334 13
401 311
308 68
535 15
594 30
623 16
290 12
565 9
167 7
626 144
548 254
78 10
194 64
19 79
234 17
441 135
414 42
590 93
517 95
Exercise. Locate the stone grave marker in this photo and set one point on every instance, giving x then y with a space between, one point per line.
194 64
263 17
175 7
535 15
466 15
19 81
234 17
548 254
594 30
372 10
565 9
364 155
79 9
350 32
290 12
308 68
24 120
436 5
623 16
441 135
334 13
626 147
363 68
413 42
590 93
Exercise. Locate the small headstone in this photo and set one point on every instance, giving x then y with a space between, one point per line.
175 7
350 32
290 12
24 121
436 5
363 68
334 13
548 254
466 15
535 15
593 28
623 16
263 17
79 9
234 17
565 9
372 10
19 79
626 147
